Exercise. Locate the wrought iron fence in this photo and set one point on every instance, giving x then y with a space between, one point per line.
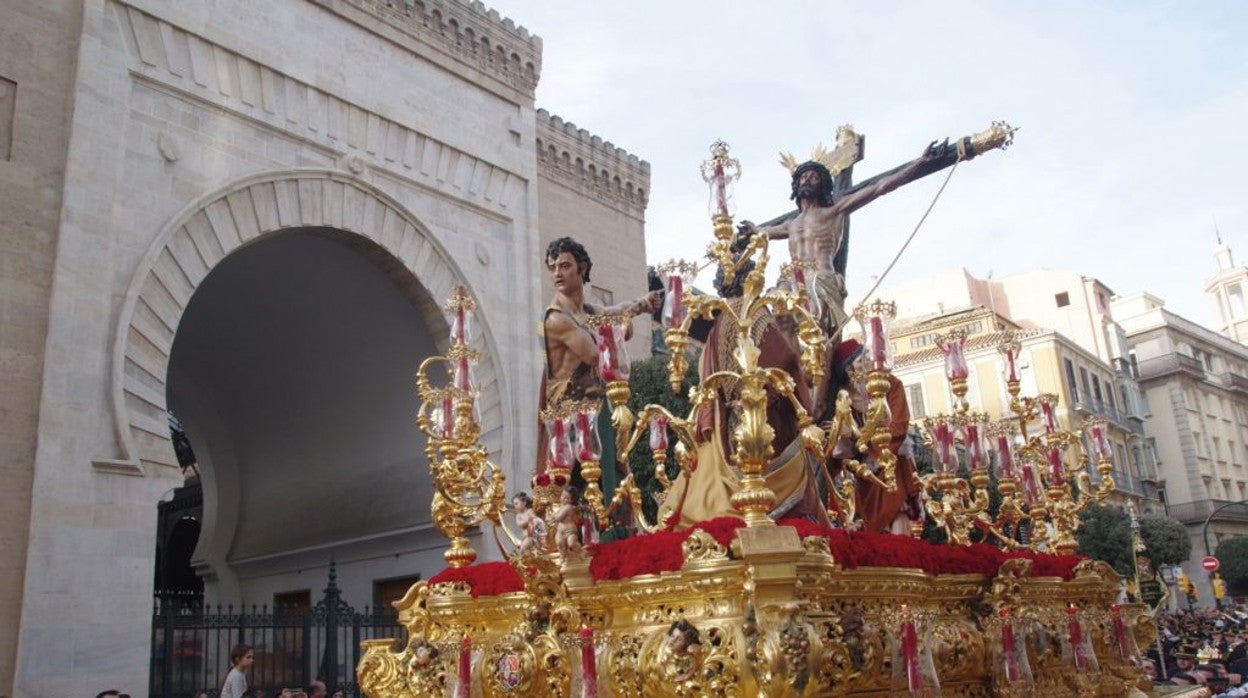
191 644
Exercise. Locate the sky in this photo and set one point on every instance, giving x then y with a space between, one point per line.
1132 114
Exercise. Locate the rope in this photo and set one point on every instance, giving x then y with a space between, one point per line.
914 232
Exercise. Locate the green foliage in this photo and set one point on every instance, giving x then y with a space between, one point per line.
1233 554
1105 534
1166 540
650 385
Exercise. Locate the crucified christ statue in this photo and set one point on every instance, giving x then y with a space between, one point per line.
818 230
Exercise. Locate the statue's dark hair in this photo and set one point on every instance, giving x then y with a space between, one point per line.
574 493
734 288
689 630
524 496
574 248
824 196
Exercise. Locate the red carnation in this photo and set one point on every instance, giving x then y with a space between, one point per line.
560 481
541 480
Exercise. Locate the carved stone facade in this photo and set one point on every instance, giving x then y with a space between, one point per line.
186 183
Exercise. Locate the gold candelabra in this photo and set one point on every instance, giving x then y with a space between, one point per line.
1034 478
468 487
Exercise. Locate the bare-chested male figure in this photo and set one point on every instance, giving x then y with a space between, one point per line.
571 371
814 234
815 237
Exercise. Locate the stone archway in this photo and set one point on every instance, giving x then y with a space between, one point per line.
212 227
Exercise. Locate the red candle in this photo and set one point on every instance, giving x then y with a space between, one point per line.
1046 416
674 312
973 454
1005 455
464 688
559 454
1076 638
1120 634
608 358
955 358
463 374
1011 365
1057 469
586 437
879 344
721 188
1098 442
658 434
910 653
1009 649
448 415
459 328
945 459
1030 491
589 666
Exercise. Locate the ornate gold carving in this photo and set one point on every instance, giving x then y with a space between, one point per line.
702 547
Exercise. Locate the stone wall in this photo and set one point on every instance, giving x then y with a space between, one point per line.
38 51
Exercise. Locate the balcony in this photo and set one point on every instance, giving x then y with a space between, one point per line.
1236 382
1118 418
1199 510
1168 364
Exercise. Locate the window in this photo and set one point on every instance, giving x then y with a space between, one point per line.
1062 299
1096 389
1083 382
292 602
914 396
1236 294
922 340
1070 380
387 591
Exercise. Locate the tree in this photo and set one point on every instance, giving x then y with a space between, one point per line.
1105 534
648 381
1166 540
1233 554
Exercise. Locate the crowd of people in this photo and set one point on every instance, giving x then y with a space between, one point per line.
1205 647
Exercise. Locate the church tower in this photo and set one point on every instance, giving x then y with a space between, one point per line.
1227 288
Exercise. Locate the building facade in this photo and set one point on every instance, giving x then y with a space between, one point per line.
1195 385
249 214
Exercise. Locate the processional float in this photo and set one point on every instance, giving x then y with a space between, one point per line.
745 605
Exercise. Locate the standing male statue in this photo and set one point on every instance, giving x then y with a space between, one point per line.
571 353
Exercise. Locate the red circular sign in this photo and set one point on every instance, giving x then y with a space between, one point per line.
1210 563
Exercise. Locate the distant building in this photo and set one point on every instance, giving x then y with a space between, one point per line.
1227 288
1195 384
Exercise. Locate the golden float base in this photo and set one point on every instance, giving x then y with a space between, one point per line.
774 616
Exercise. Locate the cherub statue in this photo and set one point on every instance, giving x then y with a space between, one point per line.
684 642
566 520
531 526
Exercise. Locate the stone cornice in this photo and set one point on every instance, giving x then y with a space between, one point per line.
175 60
462 34
586 163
